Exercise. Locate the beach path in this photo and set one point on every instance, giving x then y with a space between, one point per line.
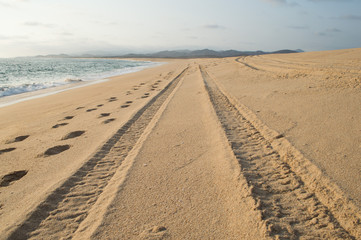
183 184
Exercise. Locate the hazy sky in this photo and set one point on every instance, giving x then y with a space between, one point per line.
31 27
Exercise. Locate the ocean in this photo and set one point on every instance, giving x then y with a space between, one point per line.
20 75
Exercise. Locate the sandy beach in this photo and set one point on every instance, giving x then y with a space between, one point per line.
257 147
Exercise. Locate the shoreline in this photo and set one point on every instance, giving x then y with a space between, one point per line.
29 95
26 96
97 111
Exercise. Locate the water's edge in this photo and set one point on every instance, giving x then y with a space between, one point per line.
25 96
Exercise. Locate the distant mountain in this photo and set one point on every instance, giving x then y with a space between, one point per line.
54 56
87 55
204 53
284 51
288 51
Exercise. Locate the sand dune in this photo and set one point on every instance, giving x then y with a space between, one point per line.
237 148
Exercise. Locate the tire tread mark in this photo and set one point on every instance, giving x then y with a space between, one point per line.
289 209
61 213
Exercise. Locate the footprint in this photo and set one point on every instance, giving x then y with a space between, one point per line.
129 93
18 139
279 136
112 99
157 229
60 125
145 95
91 109
68 117
125 106
108 120
135 89
129 102
159 81
104 115
11 177
141 84
100 105
56 150
6 150
156 232
73 135
79 108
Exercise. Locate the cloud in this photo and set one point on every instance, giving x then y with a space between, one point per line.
214 26
333 30
303 13
66 34
4 37
322 34
13 38
282 3
10 4
328 32
298 27
5 4
276 1
38 24
113 23
351 17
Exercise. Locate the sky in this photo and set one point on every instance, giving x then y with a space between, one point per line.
34 27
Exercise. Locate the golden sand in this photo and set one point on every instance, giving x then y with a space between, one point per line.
235 148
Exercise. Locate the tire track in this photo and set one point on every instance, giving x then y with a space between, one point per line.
246 64
289 209
61 213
